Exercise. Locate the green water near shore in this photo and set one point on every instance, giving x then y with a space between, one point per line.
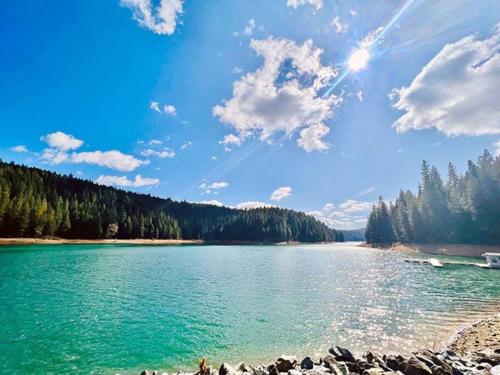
107 309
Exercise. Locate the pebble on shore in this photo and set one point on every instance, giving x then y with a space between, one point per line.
341 361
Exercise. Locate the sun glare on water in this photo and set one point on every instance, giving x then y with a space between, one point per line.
358 60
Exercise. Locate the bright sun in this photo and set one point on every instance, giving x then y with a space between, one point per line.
359 59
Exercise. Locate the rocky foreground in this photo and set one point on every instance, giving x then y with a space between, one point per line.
341 361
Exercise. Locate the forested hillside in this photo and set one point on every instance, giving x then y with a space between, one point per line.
36 203
464 209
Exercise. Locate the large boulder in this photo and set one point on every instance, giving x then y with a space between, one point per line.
286 363
416 367
342 354
307 363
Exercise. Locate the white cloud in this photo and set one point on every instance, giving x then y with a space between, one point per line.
359 95
367 191
155 106
457 91
170 109
283 95
54 156
139 181
237 70
249 205
20 148
328 207
350 214
62 141
112 159
212 202
186 145
213 187
155 142
496 145
161 20
351 205
230 139
353 12
281 192
166 153
311 137
339 26
296 3
250 26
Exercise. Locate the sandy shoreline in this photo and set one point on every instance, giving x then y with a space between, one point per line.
475 251
57 241
479 336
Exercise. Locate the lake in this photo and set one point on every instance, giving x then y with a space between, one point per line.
115 308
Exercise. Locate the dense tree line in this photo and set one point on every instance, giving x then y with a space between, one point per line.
38 203
464 209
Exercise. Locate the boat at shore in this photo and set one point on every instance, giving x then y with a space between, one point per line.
493 259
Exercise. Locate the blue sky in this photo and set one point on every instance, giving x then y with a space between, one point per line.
315 105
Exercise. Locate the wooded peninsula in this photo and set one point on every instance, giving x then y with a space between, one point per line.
38 203
463 210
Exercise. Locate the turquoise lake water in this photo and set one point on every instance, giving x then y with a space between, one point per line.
111 308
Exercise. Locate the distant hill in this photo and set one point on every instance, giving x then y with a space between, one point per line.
36 203
353 234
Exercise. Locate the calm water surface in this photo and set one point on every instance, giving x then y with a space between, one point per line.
106 309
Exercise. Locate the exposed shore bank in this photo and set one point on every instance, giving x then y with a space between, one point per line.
474 350
440 249
56 241
138 241
481 335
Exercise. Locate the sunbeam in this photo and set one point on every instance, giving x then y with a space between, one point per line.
361 56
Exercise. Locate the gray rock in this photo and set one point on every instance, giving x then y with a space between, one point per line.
495 370
329 361
395 363
307 363
294 372
243 368
440 370
286 363
317 370
145 372
361 366
373 371
342 354
226 369
425 359
272 369
260 370
416 367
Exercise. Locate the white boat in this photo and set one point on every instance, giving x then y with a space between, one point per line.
435 262
493 259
